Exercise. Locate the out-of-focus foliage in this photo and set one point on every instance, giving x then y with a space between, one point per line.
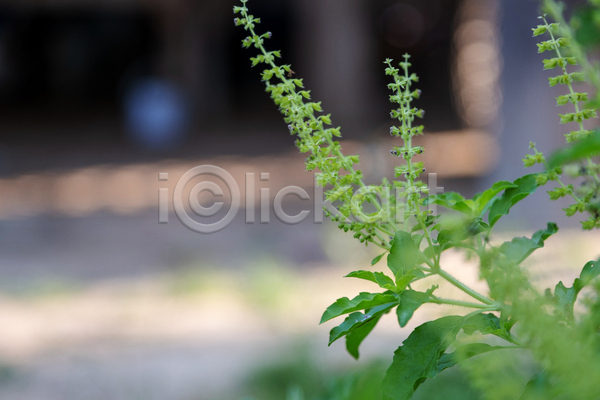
303 378
586 22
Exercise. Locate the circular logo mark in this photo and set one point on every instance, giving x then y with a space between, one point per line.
197 208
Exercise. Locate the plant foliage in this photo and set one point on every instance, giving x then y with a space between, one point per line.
563 342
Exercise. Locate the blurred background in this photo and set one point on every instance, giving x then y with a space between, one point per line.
97 98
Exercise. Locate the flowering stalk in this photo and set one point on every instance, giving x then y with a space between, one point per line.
556 11
586 196
337 170
314 138
403 96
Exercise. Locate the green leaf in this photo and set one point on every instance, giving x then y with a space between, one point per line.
566 297
520 248
403 281
456 234
501 206
452 201
483 201
464 352
417 359
590 271
487 324
361 302
356 337
404 254
376 259
578 150
410 301
356 320
484 323
379 278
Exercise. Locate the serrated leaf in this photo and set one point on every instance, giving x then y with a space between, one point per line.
410 301
356 320
418 357
520 248
404 254
464 352
356 337
363 301
501 206
379 278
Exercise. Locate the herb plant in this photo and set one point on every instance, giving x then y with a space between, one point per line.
563 344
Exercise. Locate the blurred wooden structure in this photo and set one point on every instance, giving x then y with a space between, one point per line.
335 45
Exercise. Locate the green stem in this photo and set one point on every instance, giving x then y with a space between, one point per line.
480 307
380 237
452 280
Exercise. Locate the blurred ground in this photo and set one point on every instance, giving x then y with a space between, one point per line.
191 319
